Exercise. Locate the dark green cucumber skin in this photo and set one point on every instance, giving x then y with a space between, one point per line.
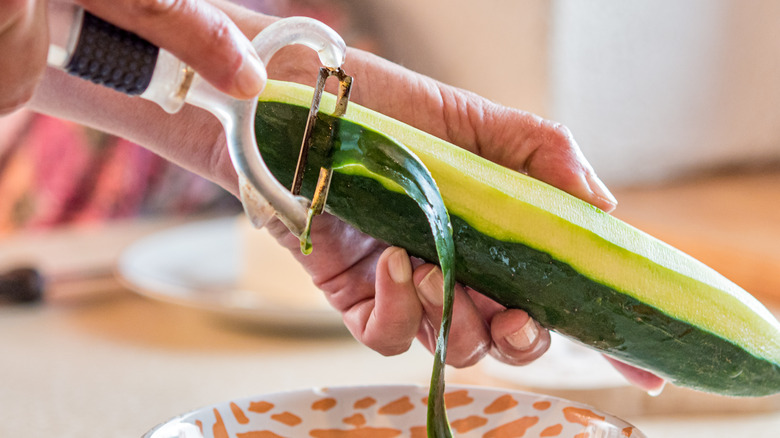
515 275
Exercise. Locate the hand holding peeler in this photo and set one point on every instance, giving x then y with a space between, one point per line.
102 53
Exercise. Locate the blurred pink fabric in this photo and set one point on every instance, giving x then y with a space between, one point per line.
57 172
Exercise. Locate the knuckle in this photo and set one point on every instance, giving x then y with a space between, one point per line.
222 40
465 361
220 30
561 141
380 343
466 355
219 164
154 7
219 44
556 134
391 350
139 9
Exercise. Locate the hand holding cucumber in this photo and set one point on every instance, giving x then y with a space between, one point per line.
386 301
382 296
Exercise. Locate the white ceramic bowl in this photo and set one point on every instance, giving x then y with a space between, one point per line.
394 411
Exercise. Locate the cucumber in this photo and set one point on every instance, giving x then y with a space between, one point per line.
525 244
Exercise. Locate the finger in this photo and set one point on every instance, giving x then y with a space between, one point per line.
342 263
526 142
389 321
469 338
197 33
24 41
517 338
559 161
642 379
369 283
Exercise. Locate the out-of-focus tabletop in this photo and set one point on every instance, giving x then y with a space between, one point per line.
730 221
96 359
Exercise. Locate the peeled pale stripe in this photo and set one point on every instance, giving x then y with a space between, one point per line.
552 221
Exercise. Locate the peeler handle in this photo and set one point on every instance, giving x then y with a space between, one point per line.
87 46
110 56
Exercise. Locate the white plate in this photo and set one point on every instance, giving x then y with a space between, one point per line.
199 265
394 411
565 366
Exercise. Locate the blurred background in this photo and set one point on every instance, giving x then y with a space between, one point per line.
675 104
651 90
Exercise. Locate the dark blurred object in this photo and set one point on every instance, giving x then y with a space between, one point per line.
21 285
75 263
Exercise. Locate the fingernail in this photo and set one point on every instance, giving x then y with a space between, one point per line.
399 266
251 77
655 392
431 288
600 190
524 338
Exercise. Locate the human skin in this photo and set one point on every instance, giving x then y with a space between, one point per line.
386 299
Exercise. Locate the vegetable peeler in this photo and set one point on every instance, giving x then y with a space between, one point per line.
95 50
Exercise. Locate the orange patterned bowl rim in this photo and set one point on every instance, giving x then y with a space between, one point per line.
379 411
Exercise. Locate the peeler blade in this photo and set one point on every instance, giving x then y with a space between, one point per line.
323 181
345 87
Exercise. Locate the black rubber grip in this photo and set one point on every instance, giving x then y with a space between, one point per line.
114 57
